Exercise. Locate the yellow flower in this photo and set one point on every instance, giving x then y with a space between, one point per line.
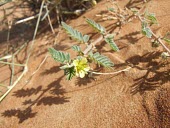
81 66
94 2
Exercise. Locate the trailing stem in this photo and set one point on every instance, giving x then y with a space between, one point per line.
155 36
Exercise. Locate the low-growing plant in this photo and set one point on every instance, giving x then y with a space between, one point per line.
80 66
147 19
44 9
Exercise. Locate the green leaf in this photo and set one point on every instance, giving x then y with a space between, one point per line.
86 38
70 73
101 60
146 30
151 17
59 56
167 40
110 41
76 48
96 26
75 34
111 9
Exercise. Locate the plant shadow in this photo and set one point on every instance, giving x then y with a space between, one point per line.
53 94
155 76
131 37
22 115
85 81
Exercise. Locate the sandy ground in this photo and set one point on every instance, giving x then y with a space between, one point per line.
138 98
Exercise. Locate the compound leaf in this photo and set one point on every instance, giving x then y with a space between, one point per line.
59 56
76 48
86 38
146 30
111 9
167 40
151 17
70 73
110 41
75 34
101 60
96 26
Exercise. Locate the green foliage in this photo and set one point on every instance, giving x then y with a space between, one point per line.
76 48
151 17
111 9
110 41
79 66
59 56
165 38
75 34
146 30
69 72
101 59
96 26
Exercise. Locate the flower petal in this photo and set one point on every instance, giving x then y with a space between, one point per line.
82 74
81 66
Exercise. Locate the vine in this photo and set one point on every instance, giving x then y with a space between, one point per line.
79 66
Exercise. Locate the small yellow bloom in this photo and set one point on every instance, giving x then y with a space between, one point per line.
81 67
94 2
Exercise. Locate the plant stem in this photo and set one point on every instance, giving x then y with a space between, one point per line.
112 73
155 36
26 19
20 48
35 32
6 57
49 20
12 70
29 54
43 61
22 65
160 41
11 87
89 47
